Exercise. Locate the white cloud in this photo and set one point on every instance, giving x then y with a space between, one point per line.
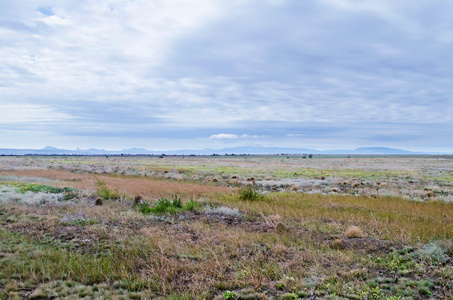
235 136
16 113
255 136
97 46
295 134
224 136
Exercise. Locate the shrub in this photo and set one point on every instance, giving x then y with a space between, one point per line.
250 194
191 205
229 295
104 192
144 208
164 205
431 253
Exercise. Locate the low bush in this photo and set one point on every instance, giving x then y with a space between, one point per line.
250 194
164 205
104 192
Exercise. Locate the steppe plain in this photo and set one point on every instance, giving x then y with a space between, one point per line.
226 227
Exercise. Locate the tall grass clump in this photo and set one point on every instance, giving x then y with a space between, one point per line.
165 205
104 192
250 194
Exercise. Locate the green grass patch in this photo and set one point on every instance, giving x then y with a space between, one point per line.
37 188
250 194
165 205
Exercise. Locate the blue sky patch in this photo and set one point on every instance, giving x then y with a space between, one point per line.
46 10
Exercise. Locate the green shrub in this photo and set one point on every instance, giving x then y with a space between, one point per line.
250 194
144 208
164 205
104 192
229 295
191 205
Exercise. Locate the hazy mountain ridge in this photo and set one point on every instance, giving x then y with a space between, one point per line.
236 150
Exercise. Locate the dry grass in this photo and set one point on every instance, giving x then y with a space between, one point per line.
282 243
384 218
405 176
148 188
354 232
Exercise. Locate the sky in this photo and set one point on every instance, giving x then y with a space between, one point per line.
193 74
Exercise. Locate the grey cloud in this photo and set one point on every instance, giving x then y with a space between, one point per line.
283 71
38 27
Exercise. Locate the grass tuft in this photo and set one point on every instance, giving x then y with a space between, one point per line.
354 232
104 192
250 194
165 205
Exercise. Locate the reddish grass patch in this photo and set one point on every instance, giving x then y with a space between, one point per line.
131 186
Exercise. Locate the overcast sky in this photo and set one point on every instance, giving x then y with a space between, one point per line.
192 74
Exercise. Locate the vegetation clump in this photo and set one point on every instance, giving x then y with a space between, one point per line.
250 194
354 232
165 205
104 192
39 188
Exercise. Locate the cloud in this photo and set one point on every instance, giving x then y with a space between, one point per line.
224 136
27 114
179 71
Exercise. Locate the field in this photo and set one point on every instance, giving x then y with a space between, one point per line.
226 227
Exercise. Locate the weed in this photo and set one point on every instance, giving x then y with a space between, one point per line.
144 208
250 194
229 295
431 253
104 192
164 205
289 296
191 205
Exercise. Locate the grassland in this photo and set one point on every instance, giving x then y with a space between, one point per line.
253 227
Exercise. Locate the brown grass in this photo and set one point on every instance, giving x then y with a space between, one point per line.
390 218
146 187
354 232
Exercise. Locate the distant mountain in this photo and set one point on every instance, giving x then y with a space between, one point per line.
236 150
380 150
